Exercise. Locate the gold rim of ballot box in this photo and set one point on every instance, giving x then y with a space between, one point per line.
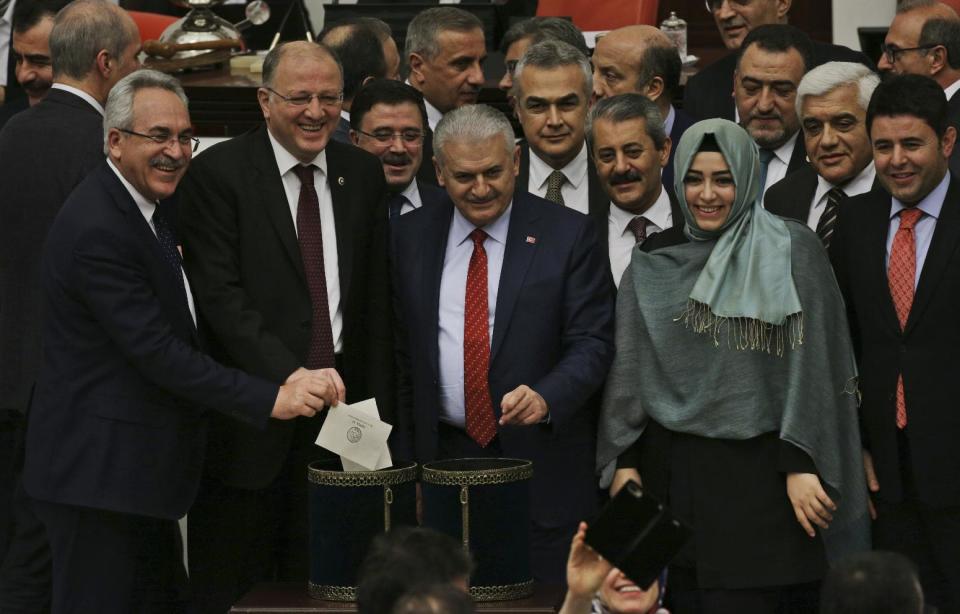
521 470
406 472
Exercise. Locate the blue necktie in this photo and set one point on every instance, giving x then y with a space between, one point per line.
765 156
396 205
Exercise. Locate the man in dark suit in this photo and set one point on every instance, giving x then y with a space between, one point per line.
445 50
832 104
505 315
898 265
45 151
630 147
389 121
285 241
709 93
116 434
773 59
363 55
551 89
641 59
528 32
924 39
30 50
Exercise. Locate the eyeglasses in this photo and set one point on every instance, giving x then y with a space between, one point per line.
302 100
386 136
892 52
162 138
714 5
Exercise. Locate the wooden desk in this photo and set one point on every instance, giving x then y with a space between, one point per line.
292 598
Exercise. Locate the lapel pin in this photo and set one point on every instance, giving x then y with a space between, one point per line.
531 240
340 180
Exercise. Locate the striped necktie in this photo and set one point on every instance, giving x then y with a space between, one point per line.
828 221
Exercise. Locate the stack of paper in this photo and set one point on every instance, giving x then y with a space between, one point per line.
357 434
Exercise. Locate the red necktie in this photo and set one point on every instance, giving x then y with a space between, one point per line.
481 425
901 276
310 237
638 226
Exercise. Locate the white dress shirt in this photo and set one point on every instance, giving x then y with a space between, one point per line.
147 208
668 121
331 263
777 169
858 185
575 191
412 194
621 239
951 89
453 289
80 93
6 32
433 115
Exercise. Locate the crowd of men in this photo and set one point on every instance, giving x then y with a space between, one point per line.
171 328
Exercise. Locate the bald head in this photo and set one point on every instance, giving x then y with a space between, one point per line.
934 27
636 59
295 52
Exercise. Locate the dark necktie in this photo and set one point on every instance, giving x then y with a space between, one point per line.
901 276
478 408
395 205
310 237
638 226
168 247
765 156
828 221
555 182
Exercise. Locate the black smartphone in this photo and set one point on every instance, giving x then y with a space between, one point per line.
637 534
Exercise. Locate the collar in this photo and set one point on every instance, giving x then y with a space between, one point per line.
461 227
146 206
858 185
7 16
80 94
931 204
345 115
668 121
951 89
575 171
785 151
286 161
659 214
412 194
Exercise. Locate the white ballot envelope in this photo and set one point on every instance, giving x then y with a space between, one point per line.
357 434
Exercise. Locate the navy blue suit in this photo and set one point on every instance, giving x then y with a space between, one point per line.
553 331
117 425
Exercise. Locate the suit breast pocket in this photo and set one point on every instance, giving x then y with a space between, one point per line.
134 411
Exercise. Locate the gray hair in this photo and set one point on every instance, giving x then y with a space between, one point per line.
553 54
472 122
426 26
539 29
905 6
625 107
272 62
119 110
826 78
85 28
944 32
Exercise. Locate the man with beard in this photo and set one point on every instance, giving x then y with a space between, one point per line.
773 59
117 423
45 151
630 147
709 93
924 39
832 103
445 50
32 22
389 121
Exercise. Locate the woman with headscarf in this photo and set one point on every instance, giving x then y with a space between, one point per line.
733 390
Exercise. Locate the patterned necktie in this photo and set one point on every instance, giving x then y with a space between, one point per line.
310 237
828 221
554 182
901 276
638 226
395 205
481 424
168 247
765 156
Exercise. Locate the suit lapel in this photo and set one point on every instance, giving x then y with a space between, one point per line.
942 246
598 204
799 156
875 232
432 248
273 199
800 205
523 177
517 257
343 214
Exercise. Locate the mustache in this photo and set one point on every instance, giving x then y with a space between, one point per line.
398 159
36 86
773 115
166 163
627 177
733 22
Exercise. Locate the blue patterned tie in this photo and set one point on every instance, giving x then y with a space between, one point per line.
168 247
